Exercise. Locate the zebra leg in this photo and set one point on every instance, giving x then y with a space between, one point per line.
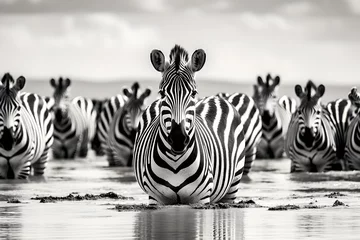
230 196
153 201
249 159
84 145
40 165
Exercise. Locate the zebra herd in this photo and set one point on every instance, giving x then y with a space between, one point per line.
184 149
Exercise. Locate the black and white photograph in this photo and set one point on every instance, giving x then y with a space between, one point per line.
179 119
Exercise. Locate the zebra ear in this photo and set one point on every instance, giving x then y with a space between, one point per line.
158 60
320 91
299 91
20 83
198 60
256 89
67 82
146 93
53 83
276 81
260 81
127 92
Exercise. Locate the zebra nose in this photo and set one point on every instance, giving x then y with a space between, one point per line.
178 138
7 139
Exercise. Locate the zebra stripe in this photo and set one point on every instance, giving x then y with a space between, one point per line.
311 137
74 122
251 120
352 149
341 114
187 153
26 131
110 107
124 126
275 115
95 142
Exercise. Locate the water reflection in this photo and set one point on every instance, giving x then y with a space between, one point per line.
9 222
186 223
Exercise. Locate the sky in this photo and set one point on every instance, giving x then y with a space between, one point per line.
101 40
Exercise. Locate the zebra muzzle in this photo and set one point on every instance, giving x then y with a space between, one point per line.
178 137
7 139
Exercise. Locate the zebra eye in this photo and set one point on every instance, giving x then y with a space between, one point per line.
18 108
193 93
299 111
162 93
318 112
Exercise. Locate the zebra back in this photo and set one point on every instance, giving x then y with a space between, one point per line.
251 120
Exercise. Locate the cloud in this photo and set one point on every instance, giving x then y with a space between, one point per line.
354 6
264 21
299 8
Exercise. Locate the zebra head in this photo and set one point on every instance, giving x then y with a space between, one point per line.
178 94
309 113
61 98
10 113
135 105
266 95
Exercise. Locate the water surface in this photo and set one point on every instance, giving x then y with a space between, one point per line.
271 184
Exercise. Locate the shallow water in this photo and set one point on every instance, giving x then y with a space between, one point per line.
271 184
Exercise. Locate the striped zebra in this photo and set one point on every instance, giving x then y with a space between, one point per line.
310 142
95 142
74 122
352 149
26 131
251 120
275 115
187 151
108 110
124 126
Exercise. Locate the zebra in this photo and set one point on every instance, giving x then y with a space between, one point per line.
352 149
275 115
310 142
95 142
187 151
108 110
124 126
251 120
74 122
26 131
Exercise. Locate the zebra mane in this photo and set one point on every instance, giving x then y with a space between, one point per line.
135 88
310 85
176 55
7 80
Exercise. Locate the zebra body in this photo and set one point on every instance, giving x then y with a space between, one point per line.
341 115
108 111
310 142
352 149
26 131
124 126
74 123
95 142
187 153
275 114
251 120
